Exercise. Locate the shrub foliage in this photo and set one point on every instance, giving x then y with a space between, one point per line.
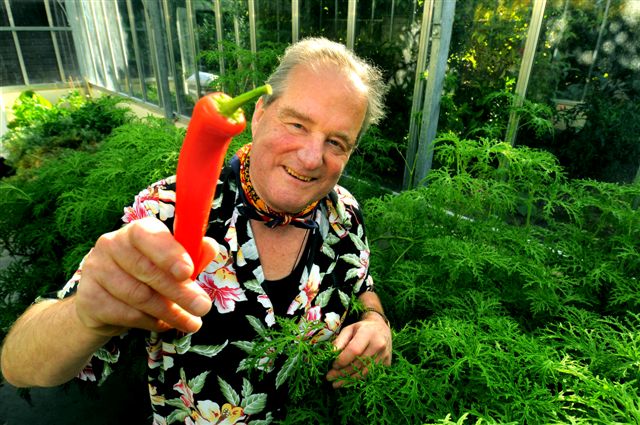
512 290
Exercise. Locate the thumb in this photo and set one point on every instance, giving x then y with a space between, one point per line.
209 249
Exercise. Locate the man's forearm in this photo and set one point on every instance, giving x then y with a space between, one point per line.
373 306
48 345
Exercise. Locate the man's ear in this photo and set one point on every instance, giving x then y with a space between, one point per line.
257 114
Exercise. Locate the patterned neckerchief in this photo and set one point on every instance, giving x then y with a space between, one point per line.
256 208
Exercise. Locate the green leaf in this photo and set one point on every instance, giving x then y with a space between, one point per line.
352 259
267 421
229 393
177 416
197 383
359 242
176 402
323 298
246 346
254 285
208 350
255 403
344 299
183 344
286 370
247 388
257 325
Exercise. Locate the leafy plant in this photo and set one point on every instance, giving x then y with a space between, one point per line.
244 69
41 130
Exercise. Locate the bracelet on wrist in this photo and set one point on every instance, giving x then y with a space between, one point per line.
381 314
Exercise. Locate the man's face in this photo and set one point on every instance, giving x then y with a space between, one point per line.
302 140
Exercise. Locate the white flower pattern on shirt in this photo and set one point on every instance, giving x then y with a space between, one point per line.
196 378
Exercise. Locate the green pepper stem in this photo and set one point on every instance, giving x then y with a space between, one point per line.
229 107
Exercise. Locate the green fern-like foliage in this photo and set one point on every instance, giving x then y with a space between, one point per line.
512 292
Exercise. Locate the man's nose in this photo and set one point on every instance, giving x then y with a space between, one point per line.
312 151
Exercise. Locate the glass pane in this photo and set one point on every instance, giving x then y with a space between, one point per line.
68 55
29 13
58 15
91 45
324 18
142 36
130 53
587 70
107 19
39 57
388 34
484 60
181 62
10 74
237 56
4 18
273 22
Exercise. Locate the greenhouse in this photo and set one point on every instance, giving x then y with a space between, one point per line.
500 193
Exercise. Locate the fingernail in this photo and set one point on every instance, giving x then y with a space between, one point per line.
196 324
201 305
181 270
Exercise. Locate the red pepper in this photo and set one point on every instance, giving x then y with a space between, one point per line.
216 119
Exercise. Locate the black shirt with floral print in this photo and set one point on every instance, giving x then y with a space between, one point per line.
199 378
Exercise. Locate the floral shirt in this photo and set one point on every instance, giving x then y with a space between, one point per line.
200 378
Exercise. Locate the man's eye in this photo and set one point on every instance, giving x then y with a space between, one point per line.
338 144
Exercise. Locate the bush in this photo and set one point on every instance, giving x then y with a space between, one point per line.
41 130
512 290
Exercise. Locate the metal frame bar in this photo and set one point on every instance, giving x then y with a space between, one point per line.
295 20
526 65
77 34
418 89
252 37
351 23
444 12
114 63
392 17
84 41
151 40
123 48
252 27
136 50
219 38
54 40
193 41
100 50
34 29
16 43
152 14
177 80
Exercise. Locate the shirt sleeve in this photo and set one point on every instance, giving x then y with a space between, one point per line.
156 200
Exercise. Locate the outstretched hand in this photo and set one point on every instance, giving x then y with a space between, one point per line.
139 277
370 338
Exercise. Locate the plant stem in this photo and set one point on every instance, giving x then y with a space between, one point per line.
229 107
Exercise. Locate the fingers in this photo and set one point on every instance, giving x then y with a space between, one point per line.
139 277
209 251
360 343
153 269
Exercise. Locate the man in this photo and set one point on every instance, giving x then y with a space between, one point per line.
286 242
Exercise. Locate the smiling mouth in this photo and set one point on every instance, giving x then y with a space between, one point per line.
298 176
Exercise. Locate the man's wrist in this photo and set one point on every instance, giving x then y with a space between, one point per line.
368 310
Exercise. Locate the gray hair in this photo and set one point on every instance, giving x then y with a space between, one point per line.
319 50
